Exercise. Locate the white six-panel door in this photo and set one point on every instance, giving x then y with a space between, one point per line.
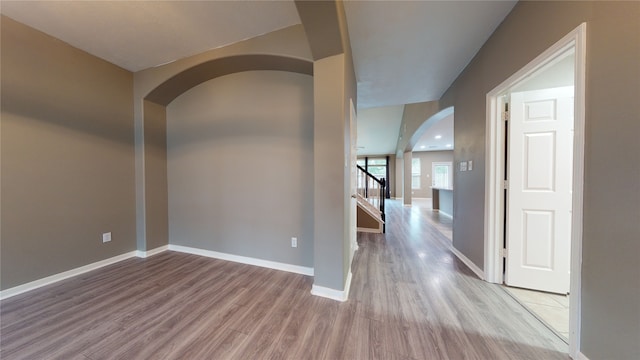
540 165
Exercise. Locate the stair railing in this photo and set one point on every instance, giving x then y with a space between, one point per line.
372 189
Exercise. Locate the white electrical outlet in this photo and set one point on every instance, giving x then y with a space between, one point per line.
106 237
294 242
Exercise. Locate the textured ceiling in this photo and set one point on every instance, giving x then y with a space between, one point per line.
378 130
140 34
411 51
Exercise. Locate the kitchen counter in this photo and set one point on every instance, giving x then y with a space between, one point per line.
442 200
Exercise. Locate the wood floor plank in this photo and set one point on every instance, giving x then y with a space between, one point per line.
410 299
294 337
162 319
209 342
271 324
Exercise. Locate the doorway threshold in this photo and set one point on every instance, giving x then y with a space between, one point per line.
550 309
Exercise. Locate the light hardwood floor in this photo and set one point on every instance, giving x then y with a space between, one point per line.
552 309
410 299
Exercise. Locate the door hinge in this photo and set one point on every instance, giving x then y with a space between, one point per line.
505 112
505 115
505 184
503 253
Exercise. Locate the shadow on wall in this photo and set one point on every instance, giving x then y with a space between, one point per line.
239 158
240 166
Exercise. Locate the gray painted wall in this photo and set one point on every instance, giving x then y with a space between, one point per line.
151 190
334 87
67 157
406 159
399 178
155 177
610 295
415 118
426 160
240 166
331 210
392 176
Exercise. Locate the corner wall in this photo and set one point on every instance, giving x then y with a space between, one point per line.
155 176
67 152
334 88
329 173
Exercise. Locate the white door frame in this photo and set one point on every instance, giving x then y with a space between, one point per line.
353 136
494 175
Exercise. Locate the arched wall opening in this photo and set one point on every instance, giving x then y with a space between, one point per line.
173 87
432 169
409 177
285 91
429 122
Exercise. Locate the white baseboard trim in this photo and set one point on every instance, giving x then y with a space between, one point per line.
148 253
369 230
243 260
17 290
347 285
5 294
333 294
467 262
444 213
354 248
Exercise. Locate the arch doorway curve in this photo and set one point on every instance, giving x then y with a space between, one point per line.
179 83
417 120
429 122
151 148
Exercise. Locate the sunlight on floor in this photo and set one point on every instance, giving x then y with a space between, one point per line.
443 223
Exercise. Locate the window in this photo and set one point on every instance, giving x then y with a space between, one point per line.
415 173
442 175
361 163
378 168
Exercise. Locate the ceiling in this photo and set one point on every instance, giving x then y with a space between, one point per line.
137 35
378 130
404 51
437 136
411 51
